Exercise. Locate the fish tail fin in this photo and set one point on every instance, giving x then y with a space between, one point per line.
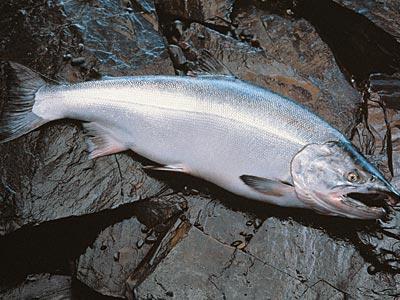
16 116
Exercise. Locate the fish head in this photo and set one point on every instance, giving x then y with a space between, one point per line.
335 179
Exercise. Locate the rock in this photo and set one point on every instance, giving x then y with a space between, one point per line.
177 56
378 137
210 216
41 286
311 78
384 13
140 48
377 134
360 46
158 252
321 262
51 177
202 262
284 260
106 265
117 252
201 11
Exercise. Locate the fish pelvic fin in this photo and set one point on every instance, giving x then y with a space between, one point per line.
100 141
17 118
180 168
267 186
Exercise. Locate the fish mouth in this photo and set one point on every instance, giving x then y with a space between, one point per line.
370 205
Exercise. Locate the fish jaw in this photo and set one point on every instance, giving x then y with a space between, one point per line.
351 204
348 206
319 173
373 199
363 202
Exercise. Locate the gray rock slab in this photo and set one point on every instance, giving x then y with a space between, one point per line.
118 251
318 260
384 13
115 254
214 270
41 286
284 261
217 12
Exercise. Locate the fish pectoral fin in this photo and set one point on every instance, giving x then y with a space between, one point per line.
267 186
100 141
170 168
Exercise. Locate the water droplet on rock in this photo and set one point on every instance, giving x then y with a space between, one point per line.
77 61
151 239
140 243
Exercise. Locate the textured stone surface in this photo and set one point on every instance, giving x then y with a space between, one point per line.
360 46
49 176
113 257
119 249
322 263
41 286
203 11
377 135
384 13
284 260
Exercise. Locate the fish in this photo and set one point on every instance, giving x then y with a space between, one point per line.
244 138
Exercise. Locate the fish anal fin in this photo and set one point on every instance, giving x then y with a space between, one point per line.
180 168
100 141
267 186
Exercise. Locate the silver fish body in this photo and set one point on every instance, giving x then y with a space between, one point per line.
243 138
216 129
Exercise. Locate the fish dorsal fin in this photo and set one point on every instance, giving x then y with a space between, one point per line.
170 168
208 65
100 141
267 186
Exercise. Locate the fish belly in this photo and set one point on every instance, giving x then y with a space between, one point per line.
211 147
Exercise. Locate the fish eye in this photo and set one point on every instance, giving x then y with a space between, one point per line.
353 177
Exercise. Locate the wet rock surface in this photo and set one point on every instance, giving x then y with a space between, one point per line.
31 183
119 231
360 46
118 251
386 14
41 286
114 255
378 137
212 12
284 260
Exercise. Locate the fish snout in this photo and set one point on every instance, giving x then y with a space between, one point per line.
390 194
372 201
384 190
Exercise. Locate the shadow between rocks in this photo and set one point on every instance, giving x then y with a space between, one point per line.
52 246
